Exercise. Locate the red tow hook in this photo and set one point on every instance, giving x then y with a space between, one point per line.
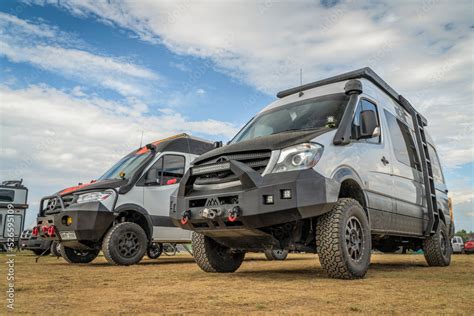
233 214
51 230
35 231
45 229
185 217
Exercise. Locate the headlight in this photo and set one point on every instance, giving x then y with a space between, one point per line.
93 196
299 157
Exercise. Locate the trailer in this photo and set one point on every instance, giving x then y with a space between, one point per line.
13 205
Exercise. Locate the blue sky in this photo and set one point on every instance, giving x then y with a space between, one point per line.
80 80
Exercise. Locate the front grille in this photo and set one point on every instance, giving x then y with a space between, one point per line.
53 205
257 160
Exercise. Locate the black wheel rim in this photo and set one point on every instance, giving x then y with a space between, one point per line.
128 244
354 238
81 253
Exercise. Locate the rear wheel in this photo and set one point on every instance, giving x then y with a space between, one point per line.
55 249
437 248
343 240
276 254
154 251
125 244
78 255
211 256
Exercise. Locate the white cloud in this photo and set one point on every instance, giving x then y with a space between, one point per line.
424 49
48 49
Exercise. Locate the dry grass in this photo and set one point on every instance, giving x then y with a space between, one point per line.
398 284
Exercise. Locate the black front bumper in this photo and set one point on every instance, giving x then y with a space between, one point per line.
35 243
90 222
311 195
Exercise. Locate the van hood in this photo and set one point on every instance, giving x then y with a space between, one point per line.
101 184
270 142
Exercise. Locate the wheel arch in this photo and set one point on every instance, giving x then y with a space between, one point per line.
351 186
136 214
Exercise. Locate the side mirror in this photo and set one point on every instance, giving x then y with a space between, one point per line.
152 177
368 124
218 144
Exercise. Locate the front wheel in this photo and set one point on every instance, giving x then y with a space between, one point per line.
125 244
78 255
55 249
437 248
276 254
211 256
343 240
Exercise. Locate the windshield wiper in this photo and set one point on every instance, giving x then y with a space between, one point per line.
296 129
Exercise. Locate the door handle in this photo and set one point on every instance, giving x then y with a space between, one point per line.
384 161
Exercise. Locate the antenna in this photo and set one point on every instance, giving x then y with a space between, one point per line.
301 83
141 140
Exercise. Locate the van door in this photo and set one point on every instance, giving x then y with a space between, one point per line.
407 177
169 170
371 158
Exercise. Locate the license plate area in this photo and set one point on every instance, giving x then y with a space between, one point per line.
68 235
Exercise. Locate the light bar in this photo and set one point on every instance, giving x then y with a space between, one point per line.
210 168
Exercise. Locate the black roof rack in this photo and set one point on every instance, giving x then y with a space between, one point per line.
366 73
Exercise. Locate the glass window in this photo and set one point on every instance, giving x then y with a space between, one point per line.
402 142
173 169
435 165
324 111
170 169
7 195
365 105
126 166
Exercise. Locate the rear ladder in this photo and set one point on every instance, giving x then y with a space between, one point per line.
419 123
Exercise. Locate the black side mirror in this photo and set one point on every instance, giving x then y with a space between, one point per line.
368 124
152 177
218 144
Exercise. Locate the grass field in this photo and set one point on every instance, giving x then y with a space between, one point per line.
397 284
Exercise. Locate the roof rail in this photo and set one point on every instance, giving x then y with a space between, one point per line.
366 73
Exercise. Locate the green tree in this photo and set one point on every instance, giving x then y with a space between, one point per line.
464 234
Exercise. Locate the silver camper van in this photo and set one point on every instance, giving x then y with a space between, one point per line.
337 167
125 213
13 205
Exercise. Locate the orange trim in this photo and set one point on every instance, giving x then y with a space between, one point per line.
72 189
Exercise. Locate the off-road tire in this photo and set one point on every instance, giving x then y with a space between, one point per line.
332 245
125 244
211 256
55 249
276 254
78 255
154 251
437 254
39 252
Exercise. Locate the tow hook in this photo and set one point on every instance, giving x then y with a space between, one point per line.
185 217
211 213
233 214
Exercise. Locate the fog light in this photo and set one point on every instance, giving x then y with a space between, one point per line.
268 199
67 220
286 194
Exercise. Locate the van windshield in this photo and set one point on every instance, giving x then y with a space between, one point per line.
127 166
324 111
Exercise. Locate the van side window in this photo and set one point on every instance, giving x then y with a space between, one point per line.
173 169
365 105
403 143
7 195
435 165
169 170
